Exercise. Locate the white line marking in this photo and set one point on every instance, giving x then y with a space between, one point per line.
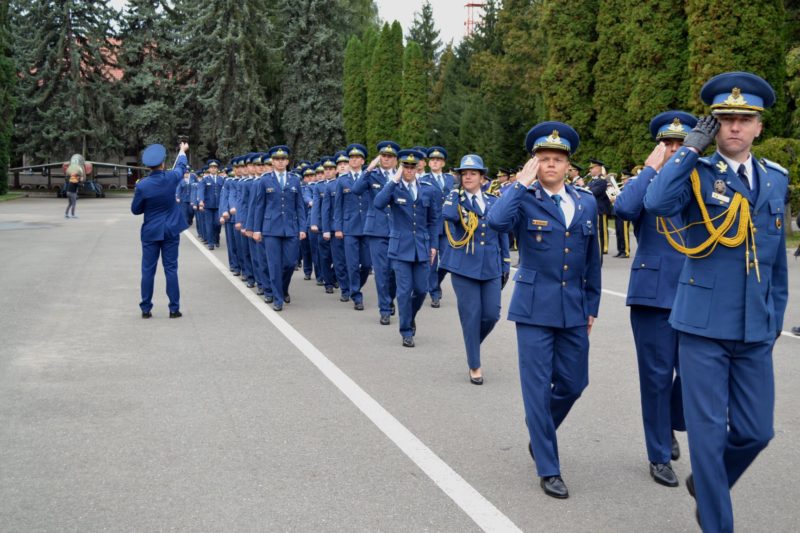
623 295
479 509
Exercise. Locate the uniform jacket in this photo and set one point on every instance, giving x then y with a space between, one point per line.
444 192
598 186
349 207
193 192
657 265
279 212
716 296
414 222
558 281
155 198
489 257
314 215
183 190
209 190
328 195
377 222
246 195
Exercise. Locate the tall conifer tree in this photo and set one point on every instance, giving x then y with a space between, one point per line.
414 101
355 92
384 88
423 32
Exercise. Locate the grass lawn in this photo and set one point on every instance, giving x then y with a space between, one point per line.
11 195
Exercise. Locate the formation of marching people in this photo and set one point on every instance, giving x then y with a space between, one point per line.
707 290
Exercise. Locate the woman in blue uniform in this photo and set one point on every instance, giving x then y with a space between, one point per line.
477 258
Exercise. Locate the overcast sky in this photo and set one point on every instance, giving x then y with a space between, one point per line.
449 14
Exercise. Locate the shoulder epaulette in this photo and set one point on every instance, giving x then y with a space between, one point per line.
706 161
774 166
494 194
425 183
583 189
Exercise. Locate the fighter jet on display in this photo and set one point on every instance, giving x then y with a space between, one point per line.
43 176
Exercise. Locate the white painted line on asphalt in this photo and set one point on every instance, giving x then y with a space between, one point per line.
479 509
623 295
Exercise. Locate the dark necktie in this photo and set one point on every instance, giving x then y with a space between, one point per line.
476 206
742 173
557 199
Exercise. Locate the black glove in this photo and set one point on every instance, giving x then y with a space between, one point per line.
504 280
703 134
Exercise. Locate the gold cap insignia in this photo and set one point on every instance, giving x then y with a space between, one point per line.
676 125
554 137
735 98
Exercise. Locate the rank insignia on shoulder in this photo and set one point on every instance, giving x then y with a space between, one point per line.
540 222
719 185
723 167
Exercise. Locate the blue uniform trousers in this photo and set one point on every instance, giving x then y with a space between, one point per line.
211 217
282 255
168 250
412 284
326 262
478 310
230 244
356 252
659 379
313 242
257 259
306 256
385 284
554 371
245 260
340 265
436 275
201 224
188 212
729 397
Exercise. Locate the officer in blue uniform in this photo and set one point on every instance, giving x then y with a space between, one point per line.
252 275
557 289
477 258
599 187
280 217
732 291
308 252
316 224
349 214
437 156
208 202
415 218
163 223
197 179
183 195
336 245
226 205
377 226
651 291
260 168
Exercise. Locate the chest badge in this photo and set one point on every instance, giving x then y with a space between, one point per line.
719 185
723 167
540 223
401 201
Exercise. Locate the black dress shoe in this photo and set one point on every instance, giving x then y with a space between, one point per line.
269 299
676 448
394 310
796 330
475 381
358 306
260 291
663 474
250 284
335 284
277 307
307 277
287 299
175 314
554 486
690 485
435 303
237 273
344 298
320 283
147 314
385 320
328 290
408 342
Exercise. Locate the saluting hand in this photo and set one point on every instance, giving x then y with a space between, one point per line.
398 175
184 147
656 158
528 173
374 163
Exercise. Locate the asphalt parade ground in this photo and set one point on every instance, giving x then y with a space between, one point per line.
237 418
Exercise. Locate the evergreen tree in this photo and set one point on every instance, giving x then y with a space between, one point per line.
656 63
147 60
450 99
611 84
423 32
355 92
361 14
414 101
223 98
311 95
384 88
567 81
727 35
7 100
369 42
66 50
